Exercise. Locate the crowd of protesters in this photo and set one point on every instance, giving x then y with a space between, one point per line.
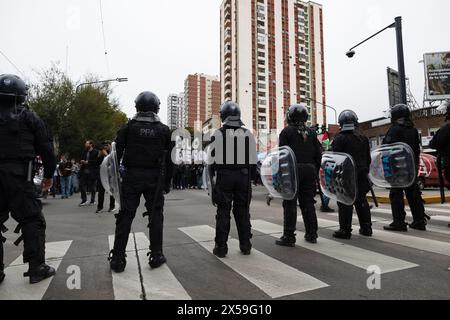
72 177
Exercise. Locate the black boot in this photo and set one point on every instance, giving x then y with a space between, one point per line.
343 234
220 251
157 260
246 248
366 230
39 273
418 225
397 227
287 241
117 263
311 238
2 274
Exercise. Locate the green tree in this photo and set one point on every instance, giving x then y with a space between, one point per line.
75 116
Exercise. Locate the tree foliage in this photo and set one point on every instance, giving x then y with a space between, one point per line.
74 116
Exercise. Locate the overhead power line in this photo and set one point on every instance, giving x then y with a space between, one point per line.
104 39
12 63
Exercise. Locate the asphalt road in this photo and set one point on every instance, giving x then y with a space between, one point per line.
415 265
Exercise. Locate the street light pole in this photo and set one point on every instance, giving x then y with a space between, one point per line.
400 54
101 81
327 106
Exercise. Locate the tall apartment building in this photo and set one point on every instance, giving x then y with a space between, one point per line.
272 56
176 111
202 98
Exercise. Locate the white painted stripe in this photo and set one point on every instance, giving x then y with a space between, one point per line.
161 283
430 229
273 277
127 285
403 239
440 218
16 287
428 209
336 215
355 256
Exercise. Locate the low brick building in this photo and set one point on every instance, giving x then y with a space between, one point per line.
428 121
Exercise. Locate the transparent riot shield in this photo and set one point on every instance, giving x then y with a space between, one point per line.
110 175
279 173
393 166
209 181
338 177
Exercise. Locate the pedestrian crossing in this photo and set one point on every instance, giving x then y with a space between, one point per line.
274 277
271 276
138 282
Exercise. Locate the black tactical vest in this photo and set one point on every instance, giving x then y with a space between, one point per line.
16 138
145 145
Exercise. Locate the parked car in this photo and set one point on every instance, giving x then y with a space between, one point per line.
428 172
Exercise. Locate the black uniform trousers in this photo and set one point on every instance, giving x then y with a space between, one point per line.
414 196
138 182
361 205
233 191
101 197
18 197
307 186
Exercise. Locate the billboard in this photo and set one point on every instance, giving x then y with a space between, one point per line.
395 96
437 75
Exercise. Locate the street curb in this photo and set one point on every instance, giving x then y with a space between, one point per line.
427 200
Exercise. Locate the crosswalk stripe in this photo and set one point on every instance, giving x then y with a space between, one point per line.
161 283
336 215
355 256
402 239
441 218
435 218
127 285
273 277
16 287
430 229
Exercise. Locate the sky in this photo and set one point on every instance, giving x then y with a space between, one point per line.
156 44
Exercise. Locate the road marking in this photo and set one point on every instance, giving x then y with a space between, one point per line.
16 287
355 256
440 218
428 209
403 239
273 277
431 229
159 284
127 285
374 220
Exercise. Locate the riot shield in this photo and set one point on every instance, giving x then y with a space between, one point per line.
338 177
110 175
393 166
279 173
209 181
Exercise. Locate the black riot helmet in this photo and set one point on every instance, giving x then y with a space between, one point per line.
298 113
230 114
400 111
147 101
348 120
12 89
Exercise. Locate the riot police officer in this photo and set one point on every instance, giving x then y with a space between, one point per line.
303 141
233 189
23 137
350 141
403 130
144 145
441 143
